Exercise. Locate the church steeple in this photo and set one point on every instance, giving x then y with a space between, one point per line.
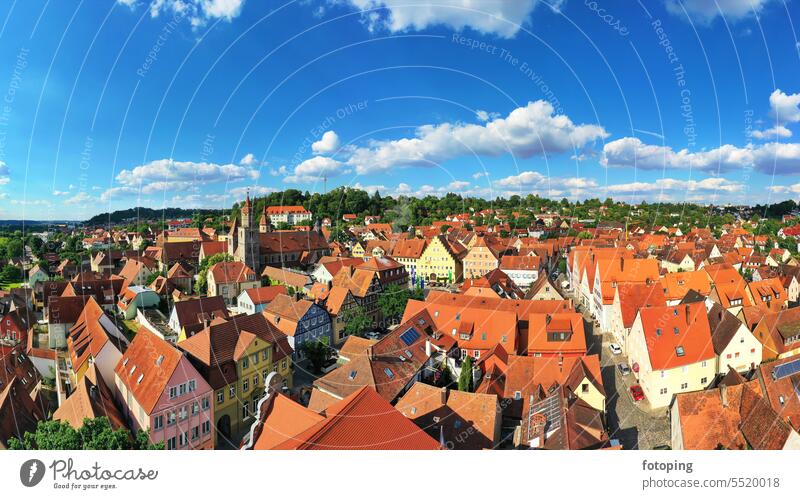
247 212
264 225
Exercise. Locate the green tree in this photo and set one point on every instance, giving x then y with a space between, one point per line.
317 352
201 284
356 322
10 273
95 434
465 382
392 301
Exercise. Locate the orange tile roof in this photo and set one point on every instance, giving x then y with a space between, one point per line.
668 328
635 296
545 334
364 421
265 294
677 284
466 420
152 359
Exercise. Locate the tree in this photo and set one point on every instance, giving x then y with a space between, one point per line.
356 321
317 352
392 301
95 434
10 273
465 382
201 284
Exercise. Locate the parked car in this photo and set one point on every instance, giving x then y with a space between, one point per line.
624 369
615 348
637 393
373 335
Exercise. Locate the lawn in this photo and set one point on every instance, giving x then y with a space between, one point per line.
7 286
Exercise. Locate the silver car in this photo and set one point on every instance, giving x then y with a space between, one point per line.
624 369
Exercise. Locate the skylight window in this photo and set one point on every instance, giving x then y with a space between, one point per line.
388 372
679 351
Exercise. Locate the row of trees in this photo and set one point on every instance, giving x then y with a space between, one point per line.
95 434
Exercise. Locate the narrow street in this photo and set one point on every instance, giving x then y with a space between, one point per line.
632 423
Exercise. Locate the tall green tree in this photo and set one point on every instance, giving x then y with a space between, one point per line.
465 381
317 352
356 322
393 300
201 284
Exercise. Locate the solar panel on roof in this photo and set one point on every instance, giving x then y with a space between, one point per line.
787 369
410 336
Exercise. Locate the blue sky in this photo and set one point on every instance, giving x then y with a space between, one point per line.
108 105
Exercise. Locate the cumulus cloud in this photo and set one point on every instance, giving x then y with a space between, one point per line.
705 11
784 108
773 133
527 131
498 17
327 144
249 159
769 158
315 169
535 182
711 184
170 175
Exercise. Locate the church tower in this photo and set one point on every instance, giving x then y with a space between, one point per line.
248 249
264 225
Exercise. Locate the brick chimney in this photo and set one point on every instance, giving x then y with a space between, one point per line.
443 394
723 394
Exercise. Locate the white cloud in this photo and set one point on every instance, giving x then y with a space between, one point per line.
30 202
5 174
249 159
315 169
784 108
478 175
278 172
778 131
327 144
498 17
535 182
198 11
712 184
785 189
525 132
60 193
705 11
485 115
769 158
166 175
80 198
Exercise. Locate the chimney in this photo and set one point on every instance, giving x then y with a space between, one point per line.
621 264
370 353
93 392
539 421
443 394
687 313
547 319
723 394
428 348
